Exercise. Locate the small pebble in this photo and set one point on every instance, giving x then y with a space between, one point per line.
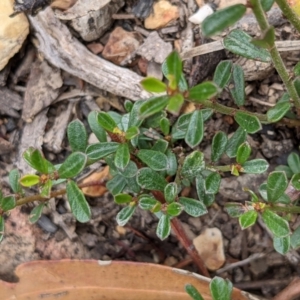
46 224
201 14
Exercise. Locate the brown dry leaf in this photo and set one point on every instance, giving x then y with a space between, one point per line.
96 190
209 245
63 4
89 279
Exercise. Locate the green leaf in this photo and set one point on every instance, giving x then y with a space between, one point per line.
223 73
267 4
222 19
195 130
294 162
218 147
171 191
175 104
125 214
150 180
193 165
123 198
295 181
295 238
238 91
29 180
235 210
250 123
106 121
128 105
174 65
79 206
130 170
7 203
255 166
174 209
297 69
131 132
73 165
46 189
194 208
36 213
296 83
152 106
248 219
239 42
212 183
14 177
134 119
172 163
77 136
220 288
122 156
282 244
153 85
277 183
164 125
153 159
277 112
235 141
163 229
263 191
182 84
266 40
203 91
147 203
243 153
193 293
277 225
180 127
160 145
35 159
100 150
1 228
96 128
116 184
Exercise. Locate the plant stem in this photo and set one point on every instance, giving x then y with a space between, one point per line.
188 245
54 194
289 13
276 58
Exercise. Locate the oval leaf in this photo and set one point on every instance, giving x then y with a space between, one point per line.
220 288
194 208
193 293
277 225
295 181
193 165
7 203
151 180
170 192
195 130
203 91
255 166
14 177
152 106
123 198
294 162
250 123
163 229
174 65
277 112
77 136
248 219
147 203
223 73
174 209
122 156
238 91
106 121
125 214
218 147
243 153
153 159
277 183
73 165
36 213
282 244
239 42
100 150
79 206
212 183
235 141
95 126
29 180
153 85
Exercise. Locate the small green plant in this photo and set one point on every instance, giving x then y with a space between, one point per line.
153 149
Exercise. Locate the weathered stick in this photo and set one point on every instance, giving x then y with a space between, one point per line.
64 51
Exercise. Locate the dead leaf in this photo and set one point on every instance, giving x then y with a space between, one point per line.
63 4
96 190
209 244
90 279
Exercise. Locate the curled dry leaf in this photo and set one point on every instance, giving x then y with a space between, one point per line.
209 244
63 4
96 190
90 279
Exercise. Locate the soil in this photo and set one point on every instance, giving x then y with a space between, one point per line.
56 235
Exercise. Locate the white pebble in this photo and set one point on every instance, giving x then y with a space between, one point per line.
201 14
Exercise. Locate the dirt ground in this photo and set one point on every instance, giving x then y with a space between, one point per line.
38 98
